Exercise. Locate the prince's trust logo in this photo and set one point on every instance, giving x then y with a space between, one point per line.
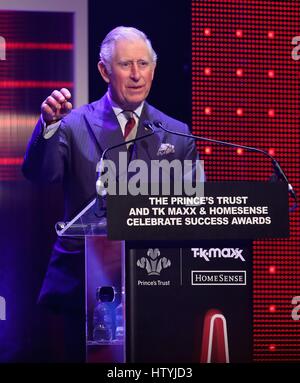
153 264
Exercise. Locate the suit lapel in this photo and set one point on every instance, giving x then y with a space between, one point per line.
107 132
106 129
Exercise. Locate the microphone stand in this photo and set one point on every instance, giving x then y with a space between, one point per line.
100 210
277 168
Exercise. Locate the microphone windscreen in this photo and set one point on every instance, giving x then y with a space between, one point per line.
157 123
147 125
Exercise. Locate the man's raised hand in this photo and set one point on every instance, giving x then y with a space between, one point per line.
56 106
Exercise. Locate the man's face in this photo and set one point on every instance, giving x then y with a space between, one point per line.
131 75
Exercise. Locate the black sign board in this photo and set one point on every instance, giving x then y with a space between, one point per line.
225 210
172 288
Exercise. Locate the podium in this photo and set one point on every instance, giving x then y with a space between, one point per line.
183 267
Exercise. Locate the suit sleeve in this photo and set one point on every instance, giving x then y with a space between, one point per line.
46 160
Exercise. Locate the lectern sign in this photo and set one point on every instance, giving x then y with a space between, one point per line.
240 210
183 282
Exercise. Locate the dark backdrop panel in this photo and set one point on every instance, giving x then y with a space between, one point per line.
167 24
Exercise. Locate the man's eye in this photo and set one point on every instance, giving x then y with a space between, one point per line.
143 63
125 64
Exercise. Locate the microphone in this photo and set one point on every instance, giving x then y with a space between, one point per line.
277 168
100 187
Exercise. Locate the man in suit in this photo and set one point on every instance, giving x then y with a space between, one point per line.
67 144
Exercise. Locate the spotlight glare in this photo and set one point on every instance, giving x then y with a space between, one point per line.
271 151
272 308
271 34
272 269
207 32
272 347
239 72
271 73
207 71
239 33
271 113
240 112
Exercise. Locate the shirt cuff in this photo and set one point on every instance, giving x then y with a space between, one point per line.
48 131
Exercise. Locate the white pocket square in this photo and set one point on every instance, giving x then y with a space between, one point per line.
165 149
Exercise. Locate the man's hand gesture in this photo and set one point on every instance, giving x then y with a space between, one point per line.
56 106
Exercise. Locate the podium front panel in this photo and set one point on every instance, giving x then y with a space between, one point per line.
189 302
104 269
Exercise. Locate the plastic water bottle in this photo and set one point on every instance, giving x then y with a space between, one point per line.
104 321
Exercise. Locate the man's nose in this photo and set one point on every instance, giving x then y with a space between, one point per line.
135 72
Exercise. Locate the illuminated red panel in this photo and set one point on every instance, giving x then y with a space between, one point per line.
11 161
253 90
42 46
37 61
35 84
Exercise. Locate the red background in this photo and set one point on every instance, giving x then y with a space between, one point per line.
245 89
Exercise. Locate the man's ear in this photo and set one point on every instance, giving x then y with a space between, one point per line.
103 71
154 66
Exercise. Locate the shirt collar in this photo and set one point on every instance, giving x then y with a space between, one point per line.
117 110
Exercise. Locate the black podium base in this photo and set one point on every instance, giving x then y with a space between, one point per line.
189 302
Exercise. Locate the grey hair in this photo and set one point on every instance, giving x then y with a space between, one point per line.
118 33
